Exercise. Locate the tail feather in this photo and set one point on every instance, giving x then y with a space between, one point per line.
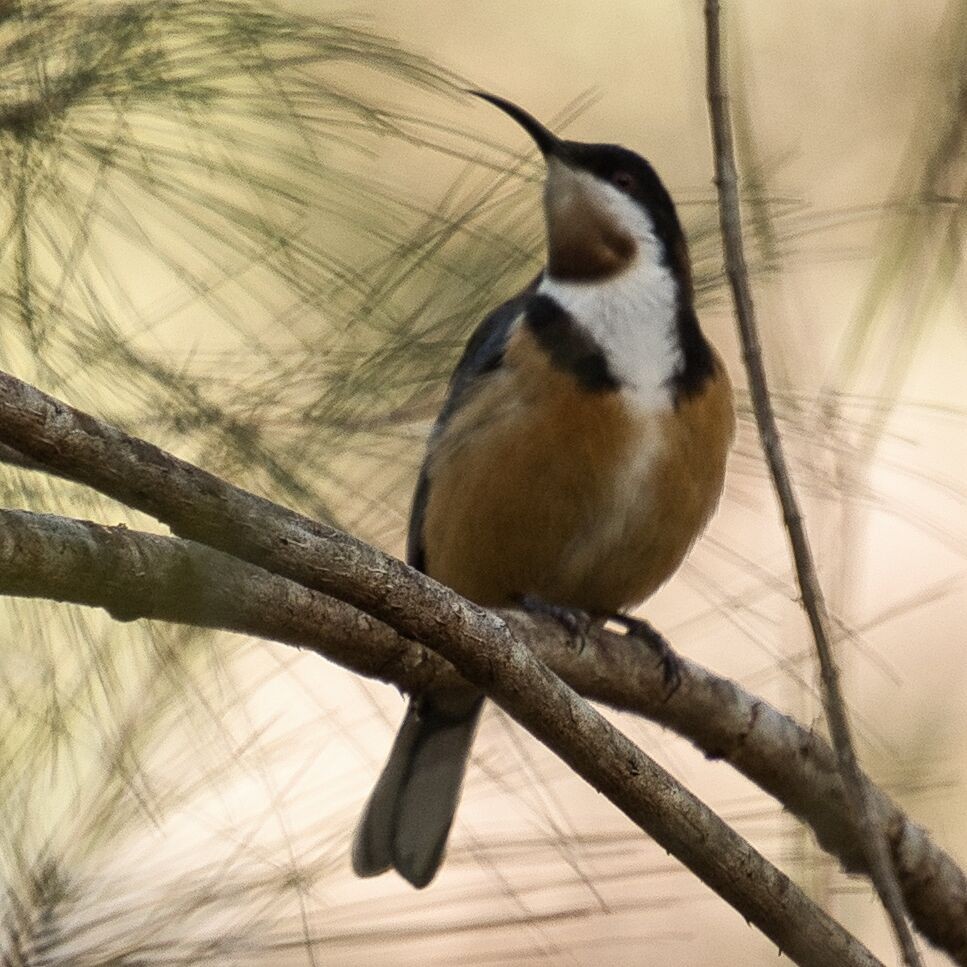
407 820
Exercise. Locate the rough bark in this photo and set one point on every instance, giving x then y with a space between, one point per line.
478 643
136 575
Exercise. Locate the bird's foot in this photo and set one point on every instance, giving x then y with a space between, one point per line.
574 621
642 631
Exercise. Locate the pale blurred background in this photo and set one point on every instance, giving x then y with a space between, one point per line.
279 293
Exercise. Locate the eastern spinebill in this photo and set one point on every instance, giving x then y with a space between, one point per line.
579 453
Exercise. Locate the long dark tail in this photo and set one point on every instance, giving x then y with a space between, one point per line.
409 814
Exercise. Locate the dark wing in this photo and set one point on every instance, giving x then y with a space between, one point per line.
483 354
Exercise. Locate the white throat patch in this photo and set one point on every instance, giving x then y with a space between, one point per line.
632 316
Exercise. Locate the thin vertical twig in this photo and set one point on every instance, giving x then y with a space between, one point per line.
866 820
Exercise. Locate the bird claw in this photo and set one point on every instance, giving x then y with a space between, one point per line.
671 665
574 621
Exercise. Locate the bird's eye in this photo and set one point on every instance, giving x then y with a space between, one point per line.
623 180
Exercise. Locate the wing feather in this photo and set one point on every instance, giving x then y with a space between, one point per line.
483 354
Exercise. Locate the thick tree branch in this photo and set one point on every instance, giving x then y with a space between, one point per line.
136 575
862 806
478 643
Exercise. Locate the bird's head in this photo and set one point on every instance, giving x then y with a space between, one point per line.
604 204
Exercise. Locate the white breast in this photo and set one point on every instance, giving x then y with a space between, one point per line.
632 317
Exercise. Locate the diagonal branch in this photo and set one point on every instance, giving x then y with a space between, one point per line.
136 575
478 643
872 834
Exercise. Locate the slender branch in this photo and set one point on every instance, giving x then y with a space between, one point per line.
14 458
136 575
872 833
478 643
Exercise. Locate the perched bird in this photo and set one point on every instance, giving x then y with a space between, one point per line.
579 453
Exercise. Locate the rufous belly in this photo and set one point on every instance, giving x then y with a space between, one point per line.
582 499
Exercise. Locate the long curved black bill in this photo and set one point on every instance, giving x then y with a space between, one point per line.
549 143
